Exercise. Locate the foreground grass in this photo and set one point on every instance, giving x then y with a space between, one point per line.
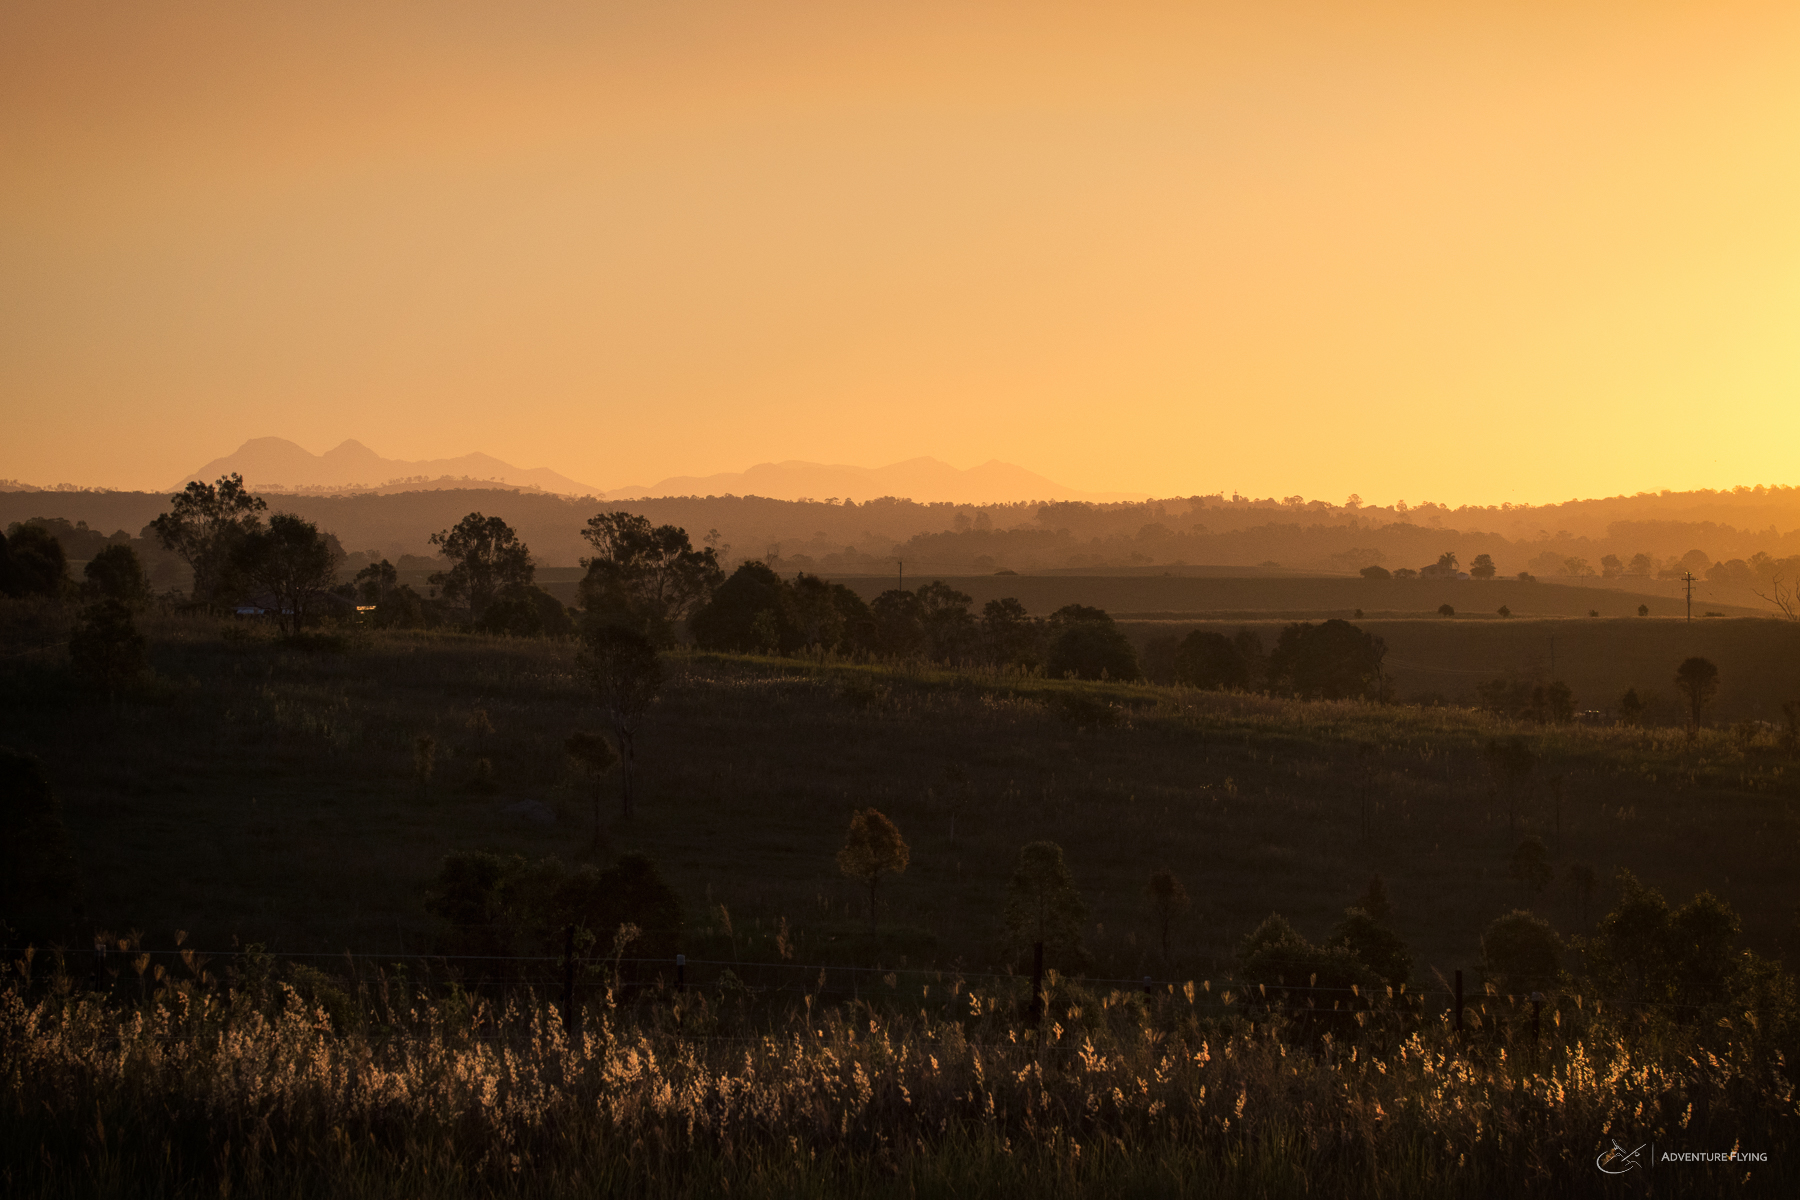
255 1090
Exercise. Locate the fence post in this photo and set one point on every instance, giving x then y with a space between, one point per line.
1037 981
680 973
1456 1021
569 1015
1146 985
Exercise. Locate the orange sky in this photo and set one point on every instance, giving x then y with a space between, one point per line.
1515 251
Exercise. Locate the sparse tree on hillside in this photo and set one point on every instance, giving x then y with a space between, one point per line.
596 756
1042 905
486 558
1631 707
375 581
1643 610
203 526
872 848
291 561
645 577
1698 680
625 672
1482 567
1168 902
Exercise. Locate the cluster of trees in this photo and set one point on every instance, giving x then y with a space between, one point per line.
1333 660
755 611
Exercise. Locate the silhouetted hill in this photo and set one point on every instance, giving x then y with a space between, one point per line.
1568 543
276 464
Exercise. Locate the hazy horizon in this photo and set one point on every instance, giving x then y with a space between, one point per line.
1515 254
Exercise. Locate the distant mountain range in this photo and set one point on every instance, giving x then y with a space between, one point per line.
274 464
926 480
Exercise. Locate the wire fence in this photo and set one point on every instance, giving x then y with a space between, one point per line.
589 972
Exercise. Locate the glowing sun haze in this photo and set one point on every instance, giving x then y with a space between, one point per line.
1472 252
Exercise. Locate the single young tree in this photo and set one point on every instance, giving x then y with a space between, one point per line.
1168 901
872 848
203 526
1698 680
1504 611
116 574
291 561
625 673
596 756
1631 707
487 557
1643 610
645 577
1445 610
1042 905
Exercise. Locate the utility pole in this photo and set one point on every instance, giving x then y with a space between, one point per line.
902 565
1687 577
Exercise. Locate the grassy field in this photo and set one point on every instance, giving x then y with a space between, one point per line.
266 793
1269 595
1758 658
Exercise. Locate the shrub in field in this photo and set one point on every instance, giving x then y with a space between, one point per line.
506 905
1368 937
1521 953
1319 987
